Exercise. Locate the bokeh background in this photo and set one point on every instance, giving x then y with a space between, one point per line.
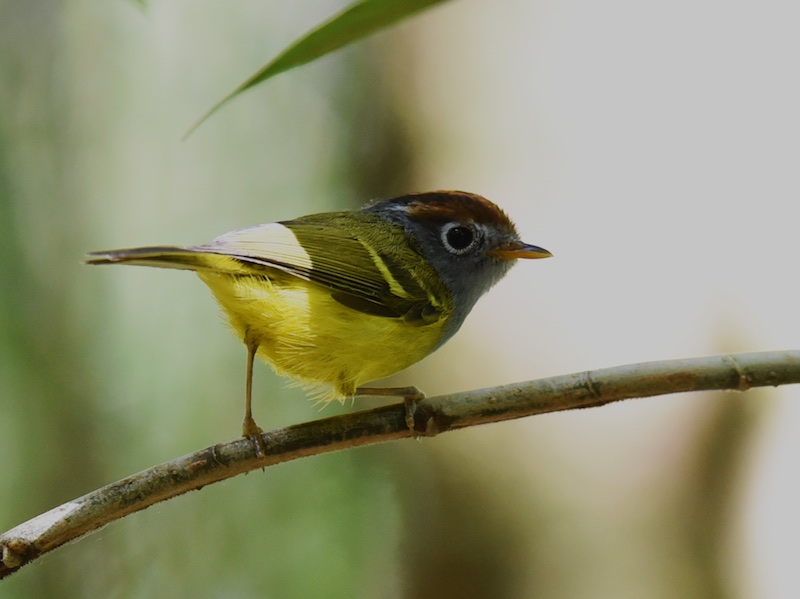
651 146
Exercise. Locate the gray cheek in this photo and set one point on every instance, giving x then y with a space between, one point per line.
467 281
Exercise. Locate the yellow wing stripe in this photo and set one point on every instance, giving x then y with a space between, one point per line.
394 285
434 300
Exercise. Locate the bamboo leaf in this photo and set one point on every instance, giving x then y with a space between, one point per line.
353 23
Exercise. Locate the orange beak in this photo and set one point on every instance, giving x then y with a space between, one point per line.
516 250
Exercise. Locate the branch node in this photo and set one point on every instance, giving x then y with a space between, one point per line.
15 553
589 385
745 380
431 427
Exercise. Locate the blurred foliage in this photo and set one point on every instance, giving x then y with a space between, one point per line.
707 500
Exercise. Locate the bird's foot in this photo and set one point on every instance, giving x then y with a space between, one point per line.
410 395
253 432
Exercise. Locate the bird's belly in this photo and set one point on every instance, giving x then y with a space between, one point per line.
306 334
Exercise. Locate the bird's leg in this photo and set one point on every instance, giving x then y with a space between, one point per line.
410 395
249 427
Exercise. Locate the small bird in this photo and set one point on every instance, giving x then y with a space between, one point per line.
338 299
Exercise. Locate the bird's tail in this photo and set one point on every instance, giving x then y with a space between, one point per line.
169 257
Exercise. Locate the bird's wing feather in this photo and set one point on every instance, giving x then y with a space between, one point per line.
358 275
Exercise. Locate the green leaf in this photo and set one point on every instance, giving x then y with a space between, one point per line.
356 21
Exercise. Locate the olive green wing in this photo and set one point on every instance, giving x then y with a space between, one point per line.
369 273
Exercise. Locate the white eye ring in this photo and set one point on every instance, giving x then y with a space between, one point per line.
459 238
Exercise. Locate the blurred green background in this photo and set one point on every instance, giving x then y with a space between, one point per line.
652 148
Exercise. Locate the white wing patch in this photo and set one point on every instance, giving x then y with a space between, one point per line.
270 243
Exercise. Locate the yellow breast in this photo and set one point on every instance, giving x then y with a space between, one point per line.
306 334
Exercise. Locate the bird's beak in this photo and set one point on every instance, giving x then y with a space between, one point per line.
517 250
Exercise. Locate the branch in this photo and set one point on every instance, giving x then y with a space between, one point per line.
26 542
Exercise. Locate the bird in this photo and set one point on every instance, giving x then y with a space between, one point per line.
336 300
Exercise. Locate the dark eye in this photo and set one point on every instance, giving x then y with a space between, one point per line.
458 238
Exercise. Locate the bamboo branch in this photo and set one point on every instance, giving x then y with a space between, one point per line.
29 540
